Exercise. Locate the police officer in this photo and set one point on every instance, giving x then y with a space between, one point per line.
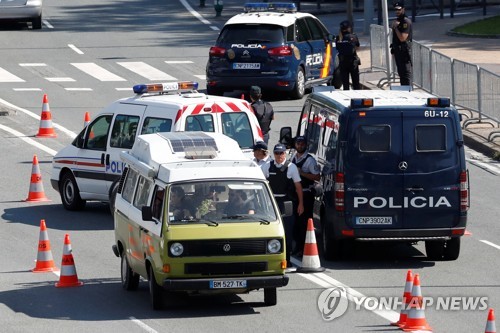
262 110
284 180
347 42
309 173
260 153
401 43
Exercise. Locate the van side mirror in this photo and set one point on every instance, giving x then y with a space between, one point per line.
286 136
147 213
288 207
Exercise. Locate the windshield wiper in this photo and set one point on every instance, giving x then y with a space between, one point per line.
212 223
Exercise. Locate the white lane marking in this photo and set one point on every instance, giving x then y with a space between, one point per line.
74 48
59 79
97 71
487 166
142 325
213 27
33 64
26 89
178 62
490 243
28 140
9 77
33 115
78 89
147 71
124 89
194 12
47 24
201 77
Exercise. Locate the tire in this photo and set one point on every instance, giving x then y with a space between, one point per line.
37 23
70 194
300 85
112 196
155 291
332 249
452 249
270 296
337 79
130 280
214 91
434 250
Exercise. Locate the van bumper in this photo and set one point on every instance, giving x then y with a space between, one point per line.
407 234
253 282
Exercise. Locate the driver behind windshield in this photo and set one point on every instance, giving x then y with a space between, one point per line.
180 206
238 204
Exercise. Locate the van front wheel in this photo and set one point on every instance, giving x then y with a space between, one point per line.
270 296
70 194
155 291
130 280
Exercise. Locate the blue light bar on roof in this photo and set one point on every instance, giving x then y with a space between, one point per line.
284 7
165 87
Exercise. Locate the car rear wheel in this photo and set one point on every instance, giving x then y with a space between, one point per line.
214 91
130 280
331 247
37 23
300 84
155 291
70 194
452 249
270 296
434 249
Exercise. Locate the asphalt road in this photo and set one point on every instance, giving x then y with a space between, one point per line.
113 37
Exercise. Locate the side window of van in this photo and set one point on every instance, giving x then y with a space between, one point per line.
142 193
314 129
155 125
124 131
430 138
374 138
157 205
237 126
129 186
204 123
97 133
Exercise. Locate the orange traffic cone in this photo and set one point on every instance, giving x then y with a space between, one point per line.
46 129
416 316
44 260
310 258
403 315
68 277
86 119
490 324
36 192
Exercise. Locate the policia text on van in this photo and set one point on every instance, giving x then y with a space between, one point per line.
393 168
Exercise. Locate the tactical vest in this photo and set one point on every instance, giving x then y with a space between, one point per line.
306 183
263 114
346 47
283 187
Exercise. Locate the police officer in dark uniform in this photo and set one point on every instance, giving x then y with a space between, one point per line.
401 43
347 42
262 110
284 180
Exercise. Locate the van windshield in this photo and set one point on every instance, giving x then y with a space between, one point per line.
215 202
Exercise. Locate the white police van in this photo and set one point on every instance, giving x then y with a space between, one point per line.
273 46
393 168
89 168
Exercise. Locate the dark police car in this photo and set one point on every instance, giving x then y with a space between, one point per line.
273 46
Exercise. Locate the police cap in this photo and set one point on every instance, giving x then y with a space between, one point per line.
344 25
259 145
399 4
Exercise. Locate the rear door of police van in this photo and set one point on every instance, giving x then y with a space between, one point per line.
431 165
373 181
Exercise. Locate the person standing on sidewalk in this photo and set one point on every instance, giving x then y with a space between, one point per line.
309 173
347 42
262 110
284 180
401 43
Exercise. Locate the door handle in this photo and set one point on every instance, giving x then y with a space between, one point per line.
107 159
414 189
144 230
102 158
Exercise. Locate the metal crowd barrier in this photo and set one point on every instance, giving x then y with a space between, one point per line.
469 86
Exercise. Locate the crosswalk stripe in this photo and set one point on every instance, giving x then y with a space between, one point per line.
26 89
147 71
59 79
34 64
78 89
178 62
9 77
97 71
201 76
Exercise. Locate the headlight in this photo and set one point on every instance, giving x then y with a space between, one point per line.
176 249
274 246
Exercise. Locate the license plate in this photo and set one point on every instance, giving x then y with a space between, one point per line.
374 220
246 65
223 284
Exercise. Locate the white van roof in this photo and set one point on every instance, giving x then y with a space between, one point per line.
177 156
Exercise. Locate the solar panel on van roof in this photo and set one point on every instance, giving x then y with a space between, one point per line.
183 142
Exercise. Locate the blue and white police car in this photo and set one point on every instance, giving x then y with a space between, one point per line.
273 46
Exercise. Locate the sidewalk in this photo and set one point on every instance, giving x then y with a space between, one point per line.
428 29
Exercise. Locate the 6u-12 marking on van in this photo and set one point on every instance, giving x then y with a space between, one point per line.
434 113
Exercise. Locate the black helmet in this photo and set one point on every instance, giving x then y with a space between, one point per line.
344 25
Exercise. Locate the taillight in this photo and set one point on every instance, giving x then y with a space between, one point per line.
280 51
339 192
216 51
464 191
